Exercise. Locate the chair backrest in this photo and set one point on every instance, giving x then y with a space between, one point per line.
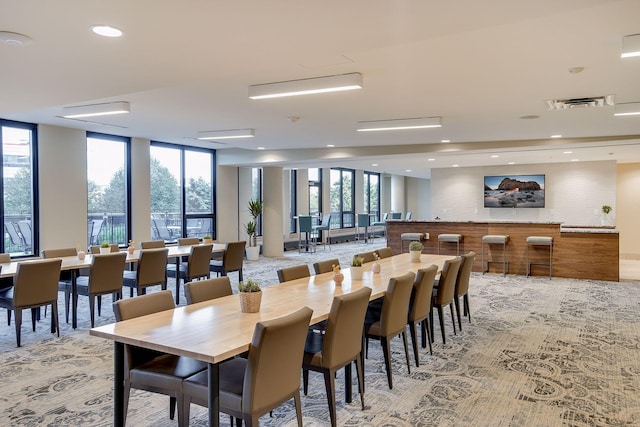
447 282
204 290
385 252
368 256
233 256
464 273
326 221
420 304
343 334
14 237
363 220
161 228
305 223
188 241
275 360
325 266
105 273
25 230
58 253
408 216
95 249
36 282
385 216
94 230
142 305
152 267
198 262
396 215
396 304
152 244
293 273
5 258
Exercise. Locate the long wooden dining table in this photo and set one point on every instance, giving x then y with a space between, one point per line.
74 264
216 330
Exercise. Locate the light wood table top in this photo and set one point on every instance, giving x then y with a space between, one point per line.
213 331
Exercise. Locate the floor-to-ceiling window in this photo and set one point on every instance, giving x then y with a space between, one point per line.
182 192
108 182
19 168
315 191
371 189
342 197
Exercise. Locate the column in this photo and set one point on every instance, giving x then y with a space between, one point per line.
397 193
272 240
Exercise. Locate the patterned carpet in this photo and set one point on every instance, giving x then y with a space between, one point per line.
538 352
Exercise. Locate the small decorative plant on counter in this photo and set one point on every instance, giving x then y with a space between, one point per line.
105 247
250 296
415 250
606 209
338 277
356 267
375 267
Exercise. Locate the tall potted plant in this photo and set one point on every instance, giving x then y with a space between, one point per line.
255 210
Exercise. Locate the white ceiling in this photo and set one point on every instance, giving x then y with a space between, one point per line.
186 66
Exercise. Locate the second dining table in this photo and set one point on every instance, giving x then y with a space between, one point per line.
216 330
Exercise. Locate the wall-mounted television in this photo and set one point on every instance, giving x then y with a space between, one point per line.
514 191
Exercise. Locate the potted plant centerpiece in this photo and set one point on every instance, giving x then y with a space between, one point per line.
606 209
356 267
105 247
255 210
415 250
207 240
250 296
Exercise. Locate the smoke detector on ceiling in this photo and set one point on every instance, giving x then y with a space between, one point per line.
590 102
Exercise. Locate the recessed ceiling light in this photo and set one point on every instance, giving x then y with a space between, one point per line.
530 117
306 86
213 135
14 39
445 140
330 145
260 148
511 163
556 136
106 31
431 160
93 110
495 156
374 164
455 166
567 152
407 170
399 124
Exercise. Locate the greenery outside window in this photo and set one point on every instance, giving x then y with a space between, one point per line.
342 198
372 194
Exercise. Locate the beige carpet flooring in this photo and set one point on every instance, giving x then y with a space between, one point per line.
537 352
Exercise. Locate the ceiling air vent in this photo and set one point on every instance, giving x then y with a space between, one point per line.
591 102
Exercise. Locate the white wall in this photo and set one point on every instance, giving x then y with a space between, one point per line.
628 210
574 193
418 197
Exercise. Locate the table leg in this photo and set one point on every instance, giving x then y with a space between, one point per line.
214 394
74 298
178 280
118 384
348 383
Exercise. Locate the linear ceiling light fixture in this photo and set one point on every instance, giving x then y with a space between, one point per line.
630 46
306 86
399 124
627 109
92 110
213 135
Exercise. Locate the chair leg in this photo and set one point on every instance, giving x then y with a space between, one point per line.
360 374
8 317
33 319
91 308
54 318
414 342
431 322
18 324
456 301
305 381
99 306
298 403
453 320
465 302
427 333
67 301
406 349
441 316
329 385
172 407
384 341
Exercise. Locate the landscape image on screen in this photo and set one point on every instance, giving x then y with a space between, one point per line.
514 191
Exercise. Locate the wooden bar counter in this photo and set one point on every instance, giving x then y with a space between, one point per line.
578 252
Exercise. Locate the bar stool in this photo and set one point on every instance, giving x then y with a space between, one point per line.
498 239
540 241
450 238
410 237
362 222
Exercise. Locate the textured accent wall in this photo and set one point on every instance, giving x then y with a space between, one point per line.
574 191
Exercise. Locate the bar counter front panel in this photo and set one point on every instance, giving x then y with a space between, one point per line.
587 253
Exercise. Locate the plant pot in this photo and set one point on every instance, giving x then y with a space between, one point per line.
250 301
253 253
105 251
338 278
356 272
81 255
415 255
375 268
207 241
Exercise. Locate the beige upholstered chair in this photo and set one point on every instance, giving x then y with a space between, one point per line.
204 290
231 260
148 369
270 376
196 266
462 286
105 277
444 294
151 271
368 256
385 252
95 249
340 345
35 284
393 318
5 282
325 266
65 276
152 244
293 273
188 241
420 307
